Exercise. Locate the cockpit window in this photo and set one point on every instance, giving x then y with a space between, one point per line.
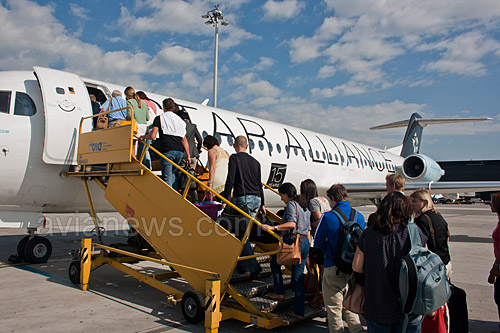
4 101
24 105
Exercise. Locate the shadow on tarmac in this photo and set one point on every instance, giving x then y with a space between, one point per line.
469 239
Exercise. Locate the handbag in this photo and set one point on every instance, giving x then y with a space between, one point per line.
183 178
311 285
290 253
211 208
102 122
102 119
355 297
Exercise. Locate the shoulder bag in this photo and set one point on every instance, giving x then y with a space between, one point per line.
102 119
290 253
355 297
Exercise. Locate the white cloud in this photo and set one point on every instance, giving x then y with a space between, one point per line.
177 17
45 42
462 54
304 49
326 71
282 10
78 11
364 37
264 63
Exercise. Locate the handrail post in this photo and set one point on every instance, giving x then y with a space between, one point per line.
212 305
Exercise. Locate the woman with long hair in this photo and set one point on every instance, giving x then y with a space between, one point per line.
295 223
494 277
317 204
141 116
435 228
379 253
432 224
218 161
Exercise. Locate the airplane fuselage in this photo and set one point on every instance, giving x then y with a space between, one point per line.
36 149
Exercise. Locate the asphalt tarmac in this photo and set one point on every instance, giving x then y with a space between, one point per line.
41 298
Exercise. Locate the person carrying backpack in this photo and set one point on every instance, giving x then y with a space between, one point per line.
333 239
379 253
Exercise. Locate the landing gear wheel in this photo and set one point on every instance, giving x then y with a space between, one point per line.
37 250
74 272
21 246
192 307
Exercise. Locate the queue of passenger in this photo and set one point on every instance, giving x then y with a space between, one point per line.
382 245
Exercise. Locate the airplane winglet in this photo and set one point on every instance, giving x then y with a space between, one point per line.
205 102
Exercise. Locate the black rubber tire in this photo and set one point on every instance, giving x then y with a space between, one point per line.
193 308
21 246
37 250
74 271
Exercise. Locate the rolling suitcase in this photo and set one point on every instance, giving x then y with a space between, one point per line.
457 305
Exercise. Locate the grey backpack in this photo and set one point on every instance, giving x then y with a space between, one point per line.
423 284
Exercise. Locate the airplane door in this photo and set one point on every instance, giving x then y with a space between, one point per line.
65 102
15 136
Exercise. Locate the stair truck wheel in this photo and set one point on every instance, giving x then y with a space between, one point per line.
21 245
37 250
74 271
193 307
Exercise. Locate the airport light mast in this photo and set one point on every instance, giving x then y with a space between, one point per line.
215 17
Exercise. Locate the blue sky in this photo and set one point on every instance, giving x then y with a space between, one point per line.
334 66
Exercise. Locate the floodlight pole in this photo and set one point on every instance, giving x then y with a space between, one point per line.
216 59
214 16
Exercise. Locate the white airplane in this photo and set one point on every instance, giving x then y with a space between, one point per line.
40 112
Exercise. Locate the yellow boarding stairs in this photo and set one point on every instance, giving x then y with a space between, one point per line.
179 236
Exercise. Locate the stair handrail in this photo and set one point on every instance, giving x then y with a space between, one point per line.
105 113
227 202
268 212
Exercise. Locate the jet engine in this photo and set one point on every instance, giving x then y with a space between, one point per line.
421 168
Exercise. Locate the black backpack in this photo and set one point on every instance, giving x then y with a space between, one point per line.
349 234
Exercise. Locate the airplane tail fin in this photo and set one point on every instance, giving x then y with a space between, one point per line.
414 127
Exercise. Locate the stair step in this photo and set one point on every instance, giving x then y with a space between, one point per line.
237 277
309 312
260 286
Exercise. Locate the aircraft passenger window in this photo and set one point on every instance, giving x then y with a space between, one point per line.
303 152
336 158
317 154
4 101
230 140
261 145
251 144
60 91
278 148
287 148
324 155
270 146
24 105
310 153
204 134
295 151
330 156
217 136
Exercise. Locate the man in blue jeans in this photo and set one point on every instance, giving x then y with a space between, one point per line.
335 281
173 140
245 177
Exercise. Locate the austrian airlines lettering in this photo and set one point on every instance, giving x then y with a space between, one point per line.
315 149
